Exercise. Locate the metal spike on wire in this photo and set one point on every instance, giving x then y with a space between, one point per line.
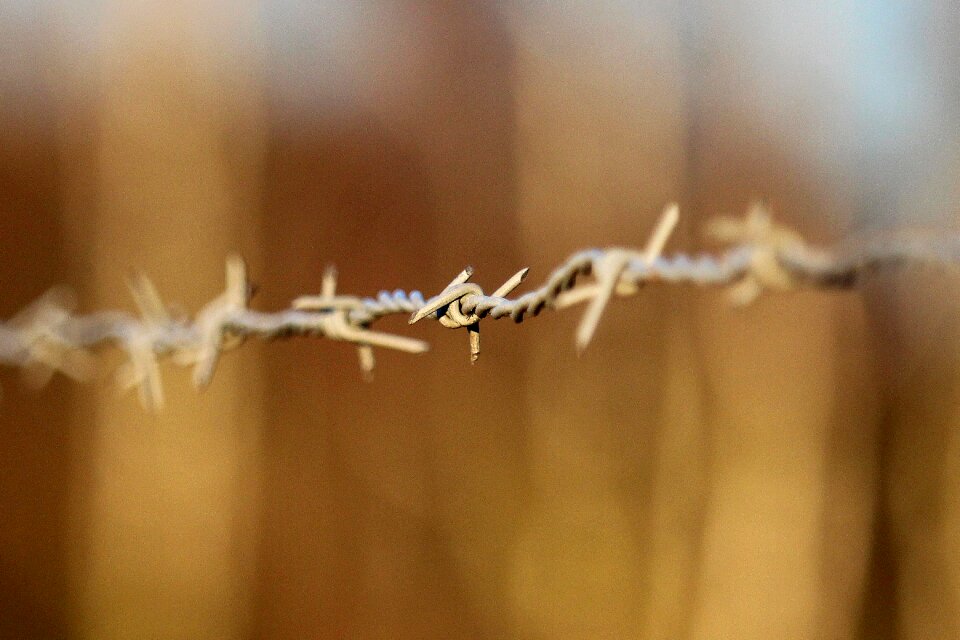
448 306
47 337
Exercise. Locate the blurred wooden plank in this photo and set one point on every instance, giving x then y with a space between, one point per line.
607 545
166 178
35 464
784 463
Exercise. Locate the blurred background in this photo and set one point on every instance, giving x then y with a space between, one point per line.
787 470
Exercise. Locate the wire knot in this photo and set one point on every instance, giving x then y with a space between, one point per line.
452 315
459 305
145 344
340 324
609 269
44 347
212 324
766 241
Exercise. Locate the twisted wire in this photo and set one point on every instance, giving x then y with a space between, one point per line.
47 337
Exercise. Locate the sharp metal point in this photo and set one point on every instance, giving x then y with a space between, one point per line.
474 332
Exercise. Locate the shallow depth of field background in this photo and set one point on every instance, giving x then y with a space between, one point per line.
788 470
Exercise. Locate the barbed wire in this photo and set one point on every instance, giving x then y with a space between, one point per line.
47 337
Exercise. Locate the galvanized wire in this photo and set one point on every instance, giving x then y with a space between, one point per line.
48 337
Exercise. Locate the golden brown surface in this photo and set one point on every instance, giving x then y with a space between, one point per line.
787 470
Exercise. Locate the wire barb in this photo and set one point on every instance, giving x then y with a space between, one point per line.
213 323
609 270
47 337
456 306
143 369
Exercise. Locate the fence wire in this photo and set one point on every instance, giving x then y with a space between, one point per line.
47 337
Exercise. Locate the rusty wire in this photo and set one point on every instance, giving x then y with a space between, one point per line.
47 337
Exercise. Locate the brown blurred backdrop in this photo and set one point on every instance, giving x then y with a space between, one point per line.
788 470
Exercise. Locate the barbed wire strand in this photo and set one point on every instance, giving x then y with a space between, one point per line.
48 337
